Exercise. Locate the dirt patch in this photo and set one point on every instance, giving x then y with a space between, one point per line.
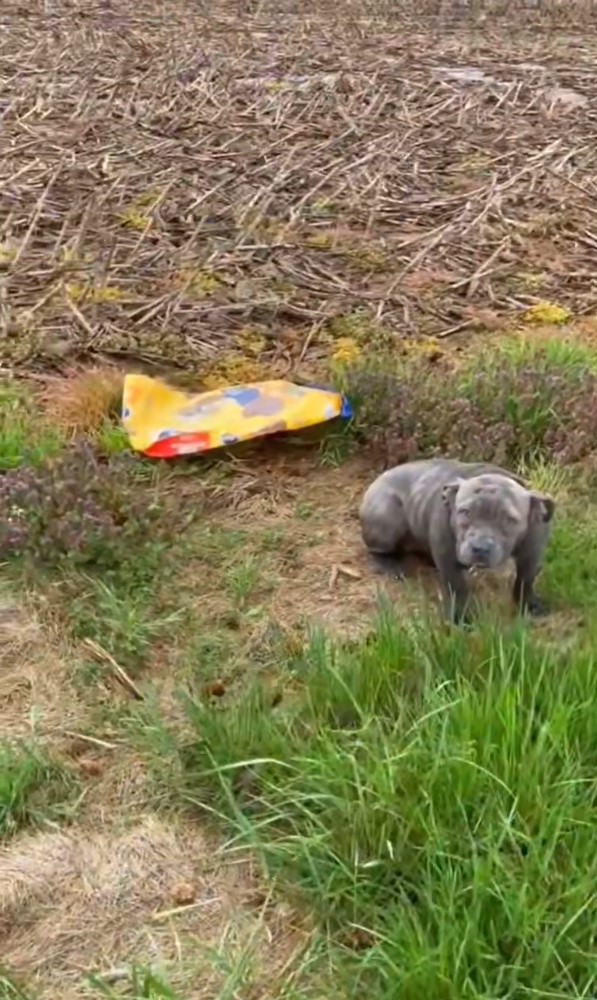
318 569
83 901
321 570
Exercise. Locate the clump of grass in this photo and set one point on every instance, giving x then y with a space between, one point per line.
431 794
346 351
336 446
141 984
232 369
24 437
112 439
520 399
83 401
33 788
120 614
545 348
78 292
10 988
75 510
134 219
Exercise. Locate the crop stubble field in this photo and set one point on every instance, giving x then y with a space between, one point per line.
174 179
234 191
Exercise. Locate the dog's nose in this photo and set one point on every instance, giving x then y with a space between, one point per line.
481 550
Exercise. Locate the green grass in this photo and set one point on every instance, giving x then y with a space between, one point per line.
233 968
432 790
33 789
427 793
112 439
517 400
141 984
10 989
563 353
242 580
125 620
570 574
337 447
24 438
528 408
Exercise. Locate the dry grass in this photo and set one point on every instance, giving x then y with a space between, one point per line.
121 886
36 691
82 400
179 183
85 901
320 568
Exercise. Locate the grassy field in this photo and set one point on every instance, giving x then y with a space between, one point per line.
394 805
234 764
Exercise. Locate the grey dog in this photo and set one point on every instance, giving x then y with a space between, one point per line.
463 515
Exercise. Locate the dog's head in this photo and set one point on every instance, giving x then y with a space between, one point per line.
490 515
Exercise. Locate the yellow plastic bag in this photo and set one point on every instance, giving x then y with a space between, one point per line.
163 422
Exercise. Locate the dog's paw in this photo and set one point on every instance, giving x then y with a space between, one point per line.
537 608
388 566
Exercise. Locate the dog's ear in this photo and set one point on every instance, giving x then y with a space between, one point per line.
542 508
449 491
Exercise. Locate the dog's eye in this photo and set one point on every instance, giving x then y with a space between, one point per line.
464 513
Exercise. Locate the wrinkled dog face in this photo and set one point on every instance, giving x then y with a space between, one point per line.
490 515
